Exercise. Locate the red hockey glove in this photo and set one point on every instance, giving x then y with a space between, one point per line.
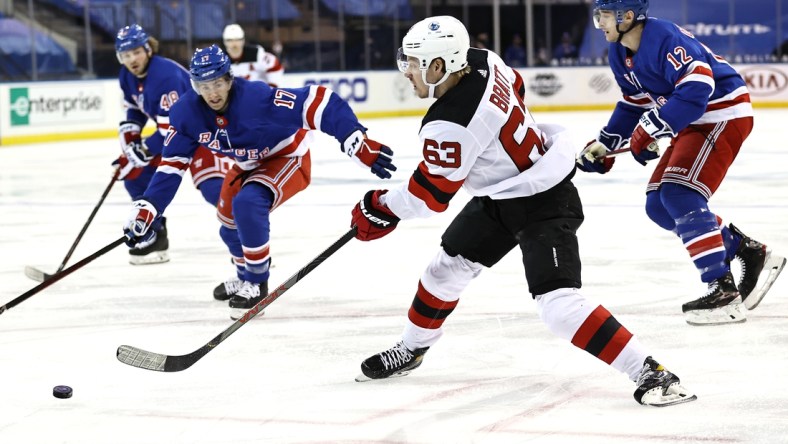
127 170
371 219
138 225
131 144
369 153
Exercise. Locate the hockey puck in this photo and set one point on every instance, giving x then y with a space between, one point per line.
62 391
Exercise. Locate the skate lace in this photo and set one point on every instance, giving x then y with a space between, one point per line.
248 290
396 356
649 376
713 286
233 285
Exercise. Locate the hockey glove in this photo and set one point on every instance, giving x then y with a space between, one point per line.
369 153
132 145
127 170
643 142
592 159
371 218
138 225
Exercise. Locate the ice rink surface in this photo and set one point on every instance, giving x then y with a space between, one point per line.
496 376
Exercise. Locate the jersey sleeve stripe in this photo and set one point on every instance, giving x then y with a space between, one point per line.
174 165
314 106
434 191
639 100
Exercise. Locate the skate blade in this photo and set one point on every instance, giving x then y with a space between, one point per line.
676 394
364 378
771 270
157 257
729 314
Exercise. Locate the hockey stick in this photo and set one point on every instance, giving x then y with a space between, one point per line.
60 275
617 152
38 275
137 357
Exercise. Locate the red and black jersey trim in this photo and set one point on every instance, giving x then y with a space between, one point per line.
435 191
602 335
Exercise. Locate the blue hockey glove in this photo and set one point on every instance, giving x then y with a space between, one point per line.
592 159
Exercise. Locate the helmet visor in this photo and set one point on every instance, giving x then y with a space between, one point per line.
402 60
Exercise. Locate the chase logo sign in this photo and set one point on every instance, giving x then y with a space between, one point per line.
764 81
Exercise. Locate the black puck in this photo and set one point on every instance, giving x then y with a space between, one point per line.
62 391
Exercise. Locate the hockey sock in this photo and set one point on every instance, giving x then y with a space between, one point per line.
698 228
251 210
656 211
436 297
230 238
590 327
210 190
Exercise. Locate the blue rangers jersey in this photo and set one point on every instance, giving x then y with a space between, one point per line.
152 97
259 123
677 74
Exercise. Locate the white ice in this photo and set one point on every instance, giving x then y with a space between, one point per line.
496 376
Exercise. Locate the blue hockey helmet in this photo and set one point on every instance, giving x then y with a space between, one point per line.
208 64
639 7
130 37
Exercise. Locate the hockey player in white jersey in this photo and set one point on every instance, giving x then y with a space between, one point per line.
479 135
251 62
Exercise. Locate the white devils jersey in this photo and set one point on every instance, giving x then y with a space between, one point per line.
258 65
479 135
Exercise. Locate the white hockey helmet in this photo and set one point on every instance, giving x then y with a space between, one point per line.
442 37
233 32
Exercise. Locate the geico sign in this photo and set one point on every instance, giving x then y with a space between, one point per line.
354 89
763 80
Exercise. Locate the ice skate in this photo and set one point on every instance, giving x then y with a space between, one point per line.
227 289
659 387
247 297
153 253
720 305
394 362
759 269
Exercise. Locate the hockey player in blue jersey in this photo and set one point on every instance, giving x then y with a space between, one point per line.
675 87
268 132
151 84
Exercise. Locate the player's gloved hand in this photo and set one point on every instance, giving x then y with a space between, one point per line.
369 153
592 159
372 219
643 142
131 144
127 170
138 225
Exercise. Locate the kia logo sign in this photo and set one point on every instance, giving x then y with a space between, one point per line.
764 81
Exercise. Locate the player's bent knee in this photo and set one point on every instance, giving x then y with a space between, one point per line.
564 310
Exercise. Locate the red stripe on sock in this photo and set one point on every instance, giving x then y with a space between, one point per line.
616 344
590 326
